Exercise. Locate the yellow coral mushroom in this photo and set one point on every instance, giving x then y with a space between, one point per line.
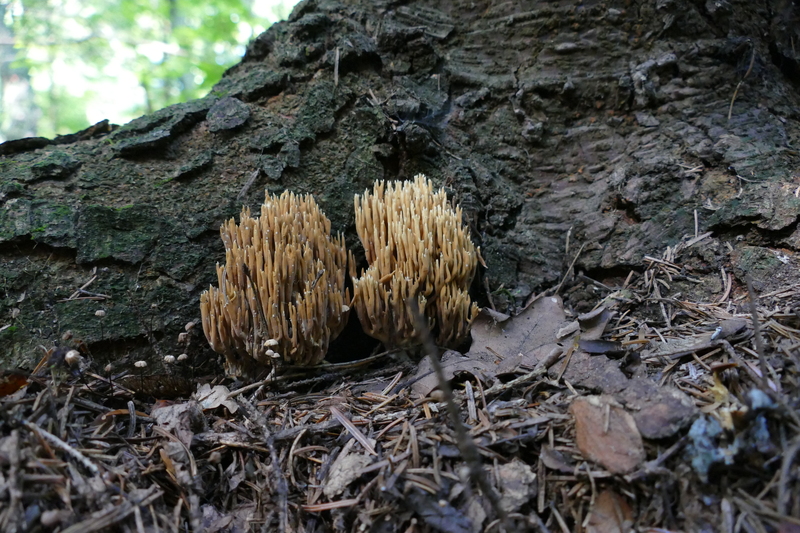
281 293
417 247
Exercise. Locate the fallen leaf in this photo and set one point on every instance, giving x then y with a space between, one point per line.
593 323
522 336
182 419
606 434
659 412
346 469
212 398
497 316
11 381
555 460
452 363
610 514
439 514
502 346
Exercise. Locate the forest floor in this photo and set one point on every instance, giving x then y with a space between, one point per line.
664 406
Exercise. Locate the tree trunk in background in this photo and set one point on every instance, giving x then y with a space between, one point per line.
18 112
604 125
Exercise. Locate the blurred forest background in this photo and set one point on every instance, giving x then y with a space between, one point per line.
67 64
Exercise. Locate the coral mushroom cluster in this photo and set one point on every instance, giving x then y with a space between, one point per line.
281 292
417 248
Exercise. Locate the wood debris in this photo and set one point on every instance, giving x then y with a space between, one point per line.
82 450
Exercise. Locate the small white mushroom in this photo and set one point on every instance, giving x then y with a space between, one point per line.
169 359
140 364
72 358
182 357
100 313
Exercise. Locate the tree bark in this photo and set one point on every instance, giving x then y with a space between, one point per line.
607 126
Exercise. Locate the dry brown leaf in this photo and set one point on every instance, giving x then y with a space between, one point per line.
659 411
346 469
500 347
606 434
521 336
555 460
452 363
593 323
183 420
610 514
212 398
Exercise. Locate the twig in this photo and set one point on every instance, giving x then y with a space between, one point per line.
569 270
247 184
488 293
280 487
114 514
46 435
336 69
540 369
655 466
465 444
762 359
736 91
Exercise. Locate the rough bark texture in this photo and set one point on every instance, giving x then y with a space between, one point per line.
602 123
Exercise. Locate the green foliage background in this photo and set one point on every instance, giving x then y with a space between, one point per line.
75 52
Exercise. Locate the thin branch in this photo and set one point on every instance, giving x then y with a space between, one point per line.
465 444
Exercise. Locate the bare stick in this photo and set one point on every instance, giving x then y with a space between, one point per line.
465 444
280 487
762 359
738 85
60 444
569 270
